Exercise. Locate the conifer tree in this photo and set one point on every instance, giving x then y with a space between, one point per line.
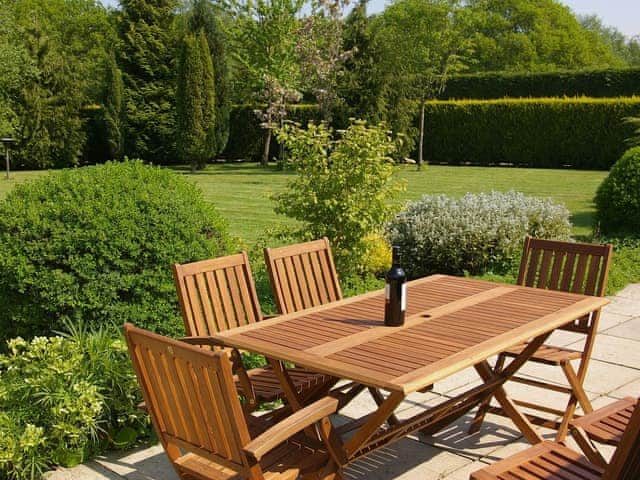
146 60
113 109
195 102
203 16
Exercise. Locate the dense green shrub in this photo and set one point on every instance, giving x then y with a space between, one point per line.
97 243
343 186
618 197
583 133
246 136
475 234
63 399
591 83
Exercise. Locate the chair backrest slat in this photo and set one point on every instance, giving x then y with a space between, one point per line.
191 396
571 267
217 295
302 275
625 463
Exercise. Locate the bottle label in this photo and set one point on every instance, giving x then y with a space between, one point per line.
403 302
387 293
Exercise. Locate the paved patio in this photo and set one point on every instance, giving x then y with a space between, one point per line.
451 454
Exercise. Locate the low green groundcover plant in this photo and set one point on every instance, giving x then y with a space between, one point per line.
65 398
96 244
618 197
474 234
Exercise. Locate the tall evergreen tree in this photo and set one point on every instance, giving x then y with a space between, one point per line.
359 85
203 16
114 109
146 59
195 102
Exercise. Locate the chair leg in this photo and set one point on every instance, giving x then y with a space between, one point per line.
483 408
578 395
587 447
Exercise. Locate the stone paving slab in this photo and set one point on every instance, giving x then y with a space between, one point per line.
451 454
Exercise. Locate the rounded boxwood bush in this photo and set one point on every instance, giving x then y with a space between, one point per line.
618 197
96 244
476 233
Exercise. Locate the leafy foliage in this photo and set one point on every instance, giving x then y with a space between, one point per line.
533 35
146 57
196 105
343 187
584 133
475 234
96 244
65 398
618 197
420 44
265 37
626 49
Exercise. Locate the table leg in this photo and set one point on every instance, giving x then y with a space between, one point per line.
374 422
379 399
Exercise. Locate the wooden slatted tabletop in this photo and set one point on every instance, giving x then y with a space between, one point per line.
452 323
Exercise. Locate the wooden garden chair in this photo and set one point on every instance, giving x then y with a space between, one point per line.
302 275
554 461
219 294
191 396
570 267
605 425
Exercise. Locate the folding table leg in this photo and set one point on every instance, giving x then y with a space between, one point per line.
377 418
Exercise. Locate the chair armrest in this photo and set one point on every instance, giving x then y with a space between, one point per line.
201 340
281 431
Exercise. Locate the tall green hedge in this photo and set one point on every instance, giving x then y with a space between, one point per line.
590 83
582 133
246 136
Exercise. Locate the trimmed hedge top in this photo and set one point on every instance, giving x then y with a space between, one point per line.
591 83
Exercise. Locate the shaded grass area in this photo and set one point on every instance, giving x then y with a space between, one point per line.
241 192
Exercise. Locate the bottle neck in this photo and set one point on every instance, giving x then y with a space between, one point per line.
395 257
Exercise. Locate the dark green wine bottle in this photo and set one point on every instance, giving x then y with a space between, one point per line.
395 292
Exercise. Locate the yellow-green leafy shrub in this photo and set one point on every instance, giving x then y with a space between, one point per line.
63 399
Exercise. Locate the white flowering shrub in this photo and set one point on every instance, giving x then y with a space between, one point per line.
473 234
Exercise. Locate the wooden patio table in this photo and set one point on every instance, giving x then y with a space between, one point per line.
451 324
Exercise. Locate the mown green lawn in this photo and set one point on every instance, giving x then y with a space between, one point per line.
241 191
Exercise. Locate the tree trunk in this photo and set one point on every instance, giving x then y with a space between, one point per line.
421 140
265 153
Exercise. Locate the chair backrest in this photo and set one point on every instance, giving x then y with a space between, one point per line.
217 295
191 396
625 464
566 266
302 275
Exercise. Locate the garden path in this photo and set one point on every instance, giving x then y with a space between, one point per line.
451 454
